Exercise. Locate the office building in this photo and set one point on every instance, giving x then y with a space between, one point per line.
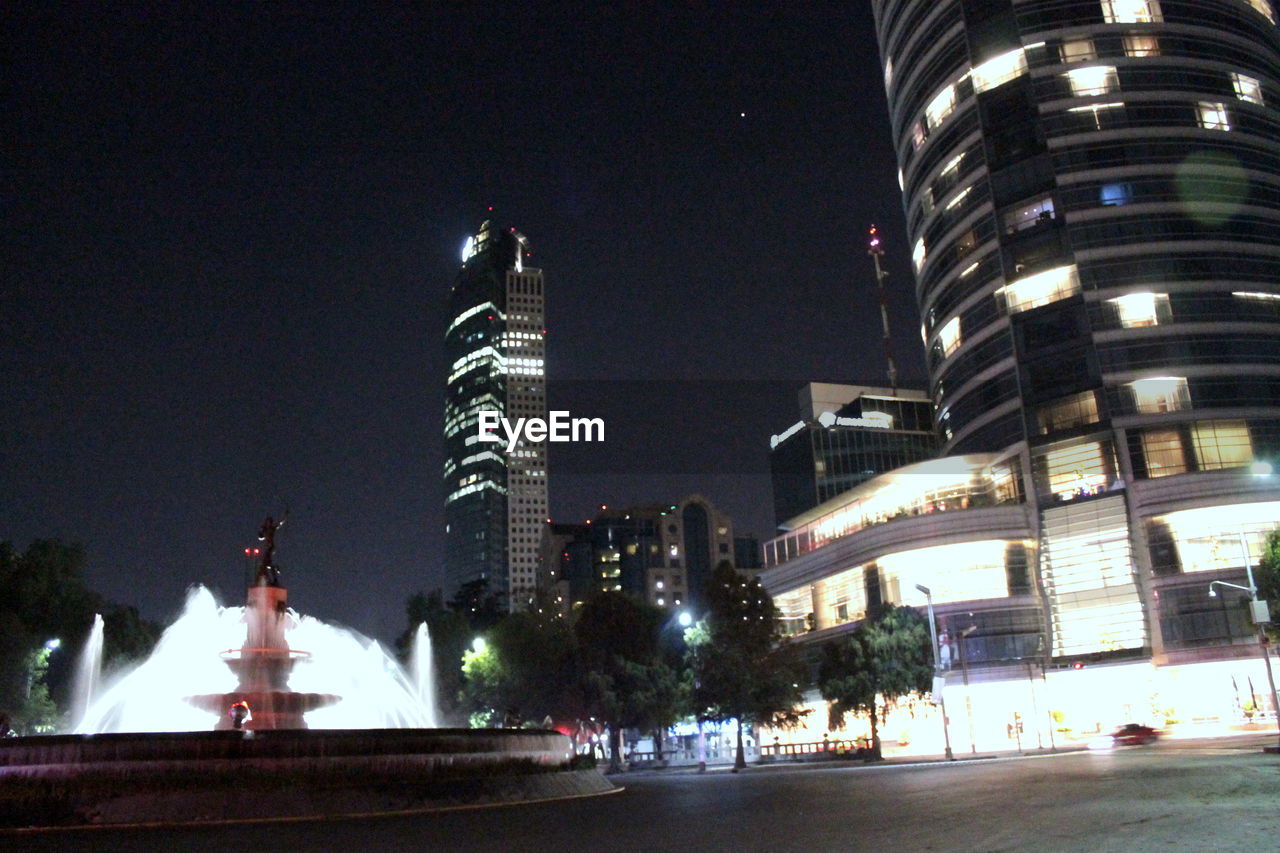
846 434
495 500
1092 193
661 553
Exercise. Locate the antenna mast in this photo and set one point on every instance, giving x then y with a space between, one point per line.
876 252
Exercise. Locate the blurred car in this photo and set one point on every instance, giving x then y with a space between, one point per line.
1132 734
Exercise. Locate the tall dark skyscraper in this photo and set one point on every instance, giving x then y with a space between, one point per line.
495 499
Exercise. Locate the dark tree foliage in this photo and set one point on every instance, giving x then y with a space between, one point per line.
43 597
741 668
886 658
1267 578
625 679
481 607
526 673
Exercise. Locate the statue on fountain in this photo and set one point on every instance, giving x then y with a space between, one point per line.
268 572
262 698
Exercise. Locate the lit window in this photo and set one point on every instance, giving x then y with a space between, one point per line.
1097 110
940 107
1225 444
1029 215
918 135
1163 451
1073 411
1247 88
966 244
949 336
1131 11
1076 471
1000 69
1213 116
952 165
1141 309
917 255
1116 194
1160 394
960 196
1264 8
1078 50
1039 289
1093 80
1141 45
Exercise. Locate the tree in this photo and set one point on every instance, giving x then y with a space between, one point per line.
1267 573
525 670
43 597
478 605
886 658
625 680
741 668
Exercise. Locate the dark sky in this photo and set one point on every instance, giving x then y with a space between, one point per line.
230 229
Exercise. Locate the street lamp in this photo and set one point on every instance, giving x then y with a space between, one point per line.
937 669
1260 614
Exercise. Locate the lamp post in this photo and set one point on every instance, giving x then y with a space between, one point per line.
937 669
1258 610
968 694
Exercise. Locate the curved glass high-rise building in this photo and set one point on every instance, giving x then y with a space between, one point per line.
1092 191
1092 194
495 499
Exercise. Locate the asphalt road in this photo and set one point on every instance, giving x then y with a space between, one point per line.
1175 796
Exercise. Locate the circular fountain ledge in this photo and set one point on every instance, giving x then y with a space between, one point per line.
194 777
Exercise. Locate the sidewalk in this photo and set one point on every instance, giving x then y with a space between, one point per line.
832 763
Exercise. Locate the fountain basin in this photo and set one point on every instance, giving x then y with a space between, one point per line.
192 777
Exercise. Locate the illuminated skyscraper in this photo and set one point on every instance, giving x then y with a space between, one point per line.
495 500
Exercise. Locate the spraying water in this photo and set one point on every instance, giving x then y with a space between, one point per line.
189 661
88 672
423 668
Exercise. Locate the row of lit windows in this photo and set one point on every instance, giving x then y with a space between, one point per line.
939 486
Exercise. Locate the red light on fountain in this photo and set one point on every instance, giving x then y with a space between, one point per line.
262 665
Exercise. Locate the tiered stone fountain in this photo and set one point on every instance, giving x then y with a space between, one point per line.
276 767
262 665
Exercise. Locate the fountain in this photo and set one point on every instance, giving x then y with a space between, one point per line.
88 671
260 712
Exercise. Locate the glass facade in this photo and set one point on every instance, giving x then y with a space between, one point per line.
820 458
495 501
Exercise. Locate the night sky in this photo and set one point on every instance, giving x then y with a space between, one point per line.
230 229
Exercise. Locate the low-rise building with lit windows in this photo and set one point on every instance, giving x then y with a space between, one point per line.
661 553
